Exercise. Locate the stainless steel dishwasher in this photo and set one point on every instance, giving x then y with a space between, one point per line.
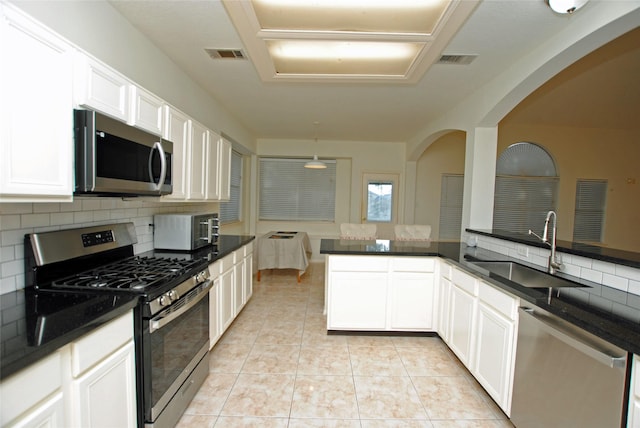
566 377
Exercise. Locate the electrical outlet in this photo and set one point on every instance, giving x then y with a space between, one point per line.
523 250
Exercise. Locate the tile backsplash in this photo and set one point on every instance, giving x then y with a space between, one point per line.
620 277
18 219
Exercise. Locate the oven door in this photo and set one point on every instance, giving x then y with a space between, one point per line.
175 345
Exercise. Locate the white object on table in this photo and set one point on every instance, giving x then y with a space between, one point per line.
284 250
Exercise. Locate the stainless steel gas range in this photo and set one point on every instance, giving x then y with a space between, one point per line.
171 319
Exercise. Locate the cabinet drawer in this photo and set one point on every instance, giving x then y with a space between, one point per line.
227 262
90 349
464 281
24 389
359 263
498 300
413 264
445 270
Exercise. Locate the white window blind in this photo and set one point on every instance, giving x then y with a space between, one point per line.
451 192
289 191
231 211
591 198
522 203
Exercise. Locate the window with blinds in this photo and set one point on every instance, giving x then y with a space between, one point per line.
591 200
231 211
522 203
289 191
526 188
451 192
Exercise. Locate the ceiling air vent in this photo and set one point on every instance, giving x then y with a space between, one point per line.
456 59
225 53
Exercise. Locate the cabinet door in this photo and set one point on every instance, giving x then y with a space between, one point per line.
48 414
412 300
494 354
248 276
111 381
198 161
227 305
146 110
215 328
177 129
238 294
101 88
224 169
212 181
36 112
444 312
357 301
461 314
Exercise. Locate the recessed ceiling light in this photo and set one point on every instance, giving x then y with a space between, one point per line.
354 40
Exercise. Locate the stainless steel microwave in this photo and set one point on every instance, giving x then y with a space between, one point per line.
185 231
118 159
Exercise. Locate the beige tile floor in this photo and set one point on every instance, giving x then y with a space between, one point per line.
277 367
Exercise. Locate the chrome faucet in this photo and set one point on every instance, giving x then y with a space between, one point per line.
554 263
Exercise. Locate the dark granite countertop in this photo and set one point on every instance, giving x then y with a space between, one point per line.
611 314
612 255
35 324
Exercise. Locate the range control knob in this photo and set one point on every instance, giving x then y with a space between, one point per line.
164 300
173 295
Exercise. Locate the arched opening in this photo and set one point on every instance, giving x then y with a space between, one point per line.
526 187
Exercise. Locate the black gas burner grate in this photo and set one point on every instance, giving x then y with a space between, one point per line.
134 274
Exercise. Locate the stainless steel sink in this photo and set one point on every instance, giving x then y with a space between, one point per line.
525 276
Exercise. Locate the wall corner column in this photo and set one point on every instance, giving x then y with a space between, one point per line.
479 178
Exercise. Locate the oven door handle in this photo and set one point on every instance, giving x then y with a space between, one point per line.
161 320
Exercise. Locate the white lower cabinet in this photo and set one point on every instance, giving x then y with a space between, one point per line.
380 293
480 327
215 327
496 332
633 417
357 301
111 381
232 288
412 294
227 287
444 292
87 383
462 310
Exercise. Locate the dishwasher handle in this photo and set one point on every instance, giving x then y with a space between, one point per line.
572 339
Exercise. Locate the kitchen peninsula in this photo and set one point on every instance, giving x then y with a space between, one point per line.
437 288
612 316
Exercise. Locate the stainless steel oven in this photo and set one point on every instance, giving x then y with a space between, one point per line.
176 342
171 319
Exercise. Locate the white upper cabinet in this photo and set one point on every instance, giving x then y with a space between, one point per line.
36 78
224 169
198 160
177 129
146 110
99 87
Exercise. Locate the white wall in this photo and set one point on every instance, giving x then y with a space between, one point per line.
354 158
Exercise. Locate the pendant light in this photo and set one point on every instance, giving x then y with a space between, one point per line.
315 163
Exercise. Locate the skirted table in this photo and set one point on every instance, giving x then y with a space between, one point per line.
284 250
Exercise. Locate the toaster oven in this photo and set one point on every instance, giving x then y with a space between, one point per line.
185 231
